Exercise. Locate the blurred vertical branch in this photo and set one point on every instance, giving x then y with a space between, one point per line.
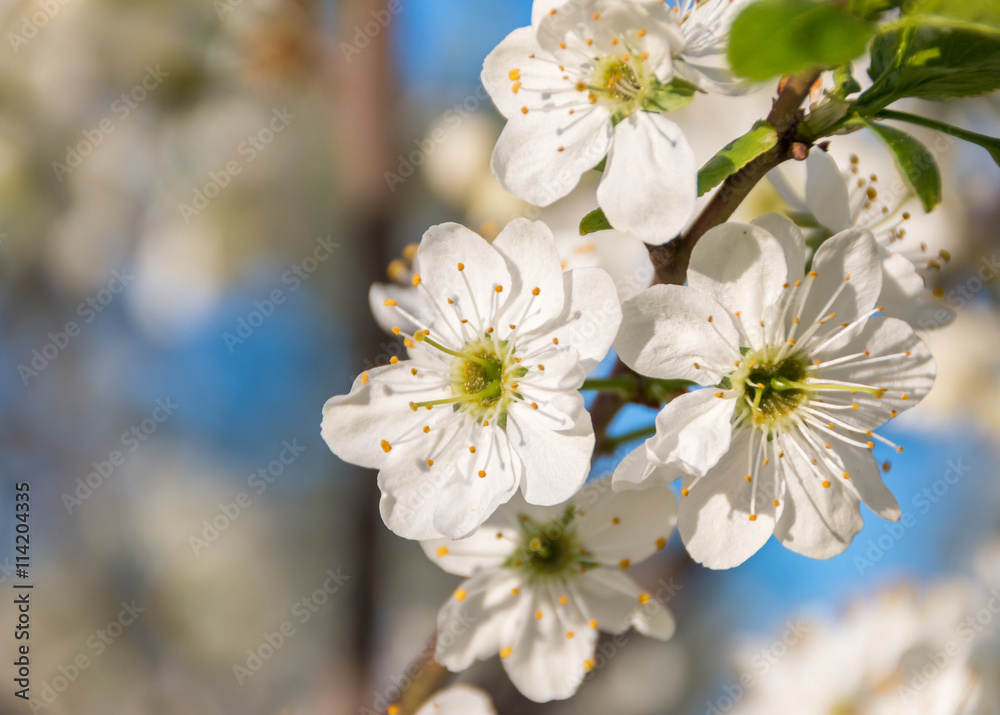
363 105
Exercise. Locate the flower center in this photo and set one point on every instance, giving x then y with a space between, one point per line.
550 550
772 388
619 82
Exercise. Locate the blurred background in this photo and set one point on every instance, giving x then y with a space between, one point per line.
194 200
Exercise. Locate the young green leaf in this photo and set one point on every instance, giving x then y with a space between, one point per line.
667 97
915 162
775 37
931 63
735 155
990 144
593 222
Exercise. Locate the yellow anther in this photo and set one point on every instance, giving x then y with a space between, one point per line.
386 447
505 653
538 615
593 623
389 302
514 74
460 595
430 462
685 492
569 634
482 473
364 378
826 484
753 517
461 266
442 551
393 360
643 598
427 428
499 289
661 543
625 563
616 521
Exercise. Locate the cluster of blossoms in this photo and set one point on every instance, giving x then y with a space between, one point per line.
795 356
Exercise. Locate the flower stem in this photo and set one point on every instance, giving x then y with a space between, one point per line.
671 259
623 385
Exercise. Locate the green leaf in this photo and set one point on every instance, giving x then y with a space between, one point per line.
776 37
666 97
915 162
990 144
735 155
983 11
593 222
931 63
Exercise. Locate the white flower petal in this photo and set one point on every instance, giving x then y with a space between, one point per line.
559 461
519 63
616 602
473 287
693 431
743 267
589 320
471 624
816 521
629 525
791 239
826 192
458 700
480 483
360 425
668 330
867 480
529 249
388 318
541 155
714 518
852 253
636 472
649 186
545 661
902 288
488 548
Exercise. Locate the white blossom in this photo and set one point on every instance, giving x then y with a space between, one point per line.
798 373
897 653
542 582
840 200
458 700
574 88
487 402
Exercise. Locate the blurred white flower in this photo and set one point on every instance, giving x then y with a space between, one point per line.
543 581
458 700
896 653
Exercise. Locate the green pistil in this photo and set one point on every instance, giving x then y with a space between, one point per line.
550 550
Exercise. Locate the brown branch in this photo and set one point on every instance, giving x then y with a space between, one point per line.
671 259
